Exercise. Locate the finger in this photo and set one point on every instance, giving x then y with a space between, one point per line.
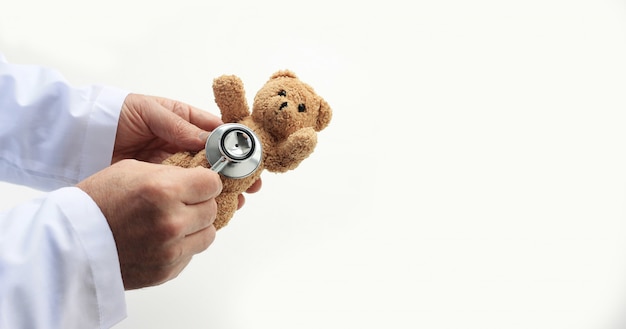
169 125
162 274
241 200
203 119
140 275
255 187
200 118
198 217
197 184
199 241
173 129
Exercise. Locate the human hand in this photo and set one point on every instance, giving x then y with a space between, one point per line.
160 216
153 128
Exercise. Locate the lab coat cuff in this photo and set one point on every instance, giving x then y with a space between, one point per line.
101 130
97 241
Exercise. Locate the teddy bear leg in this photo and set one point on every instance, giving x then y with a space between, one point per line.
226 206
180 159
188 160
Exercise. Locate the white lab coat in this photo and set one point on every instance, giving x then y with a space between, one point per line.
58 261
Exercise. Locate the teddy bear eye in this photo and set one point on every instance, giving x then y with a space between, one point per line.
301 108
282 93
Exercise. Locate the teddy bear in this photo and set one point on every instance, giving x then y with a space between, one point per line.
286 116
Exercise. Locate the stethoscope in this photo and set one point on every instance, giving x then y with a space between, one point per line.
233 150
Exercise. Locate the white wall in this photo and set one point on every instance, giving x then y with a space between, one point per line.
473 176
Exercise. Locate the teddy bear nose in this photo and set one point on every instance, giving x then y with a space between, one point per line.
283 105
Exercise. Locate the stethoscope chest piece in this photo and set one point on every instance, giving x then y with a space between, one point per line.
233 150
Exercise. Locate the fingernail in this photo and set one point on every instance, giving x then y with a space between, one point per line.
203 136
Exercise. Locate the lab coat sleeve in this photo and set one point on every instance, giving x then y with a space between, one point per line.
59 265
53 134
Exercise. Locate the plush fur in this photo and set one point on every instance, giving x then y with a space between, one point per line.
286 116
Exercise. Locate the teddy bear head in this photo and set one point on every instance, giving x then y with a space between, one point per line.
285 104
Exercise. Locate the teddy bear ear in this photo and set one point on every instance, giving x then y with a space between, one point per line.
324 115
283 73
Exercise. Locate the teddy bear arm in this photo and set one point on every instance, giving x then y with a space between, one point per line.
230 98
290 153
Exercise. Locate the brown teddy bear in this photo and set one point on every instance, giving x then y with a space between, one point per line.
286 116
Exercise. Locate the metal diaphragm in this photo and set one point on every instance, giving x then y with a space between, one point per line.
233 150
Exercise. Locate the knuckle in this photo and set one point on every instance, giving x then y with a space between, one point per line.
180 127
167 229
159 191
180 109
155 186
207 180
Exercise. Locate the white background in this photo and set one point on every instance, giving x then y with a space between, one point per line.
473 176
